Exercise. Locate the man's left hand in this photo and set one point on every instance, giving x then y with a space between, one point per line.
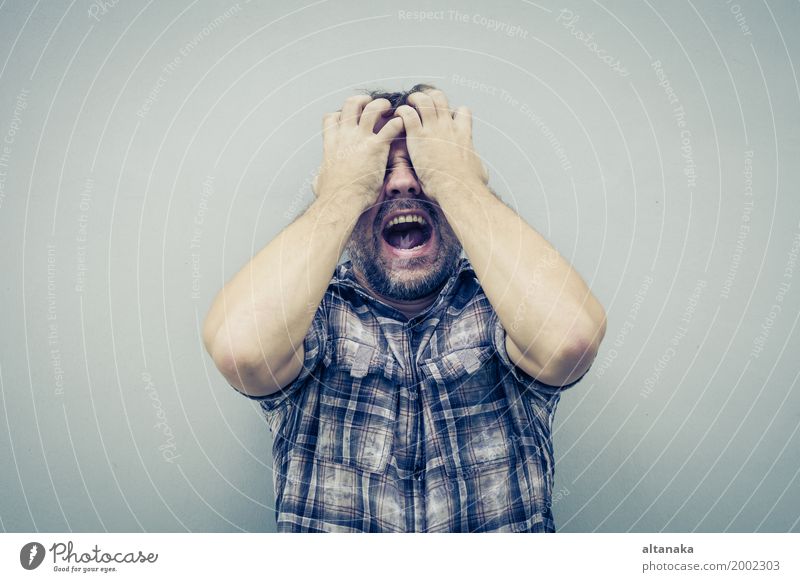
440 143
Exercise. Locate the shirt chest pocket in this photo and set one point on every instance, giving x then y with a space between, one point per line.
357 407
467 409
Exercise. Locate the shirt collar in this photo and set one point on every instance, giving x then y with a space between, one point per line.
343 276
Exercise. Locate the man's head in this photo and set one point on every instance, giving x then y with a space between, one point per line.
403 245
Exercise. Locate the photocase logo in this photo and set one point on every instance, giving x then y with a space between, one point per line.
31 555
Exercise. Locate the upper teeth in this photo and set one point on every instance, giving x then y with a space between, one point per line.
406 218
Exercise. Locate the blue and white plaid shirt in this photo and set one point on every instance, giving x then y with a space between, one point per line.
420 425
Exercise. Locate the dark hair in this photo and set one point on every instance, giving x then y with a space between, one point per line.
398 98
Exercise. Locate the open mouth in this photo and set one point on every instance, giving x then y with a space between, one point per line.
407 231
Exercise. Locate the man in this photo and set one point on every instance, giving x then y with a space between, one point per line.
409 388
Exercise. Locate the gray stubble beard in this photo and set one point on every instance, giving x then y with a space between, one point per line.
366 257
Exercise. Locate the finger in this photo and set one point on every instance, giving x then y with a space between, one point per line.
330 122
410 117
351 110
440 102
372 112
463 119
424 105
392 129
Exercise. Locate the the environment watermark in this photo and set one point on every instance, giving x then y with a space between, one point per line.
173 65
523 108
53 342
744 226
206 192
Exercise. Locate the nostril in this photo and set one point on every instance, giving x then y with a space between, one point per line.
410 191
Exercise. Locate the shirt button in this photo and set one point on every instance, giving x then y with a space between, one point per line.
412 394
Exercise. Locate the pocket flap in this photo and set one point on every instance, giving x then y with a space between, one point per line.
361 359
457 364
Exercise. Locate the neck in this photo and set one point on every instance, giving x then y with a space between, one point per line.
409 308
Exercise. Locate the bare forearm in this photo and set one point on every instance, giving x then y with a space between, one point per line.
542 302
255 328
265 310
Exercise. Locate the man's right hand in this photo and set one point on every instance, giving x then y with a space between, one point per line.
256 326
354 157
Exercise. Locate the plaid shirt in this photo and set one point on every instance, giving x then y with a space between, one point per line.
401 425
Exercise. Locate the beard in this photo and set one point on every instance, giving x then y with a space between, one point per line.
404 279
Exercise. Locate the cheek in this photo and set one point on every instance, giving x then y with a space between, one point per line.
363 232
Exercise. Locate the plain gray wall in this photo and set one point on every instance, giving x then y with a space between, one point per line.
147 151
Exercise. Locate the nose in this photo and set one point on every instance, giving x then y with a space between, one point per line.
402 183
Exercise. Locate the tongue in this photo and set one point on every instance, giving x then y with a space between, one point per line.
406 240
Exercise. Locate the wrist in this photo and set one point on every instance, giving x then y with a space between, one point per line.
345 201
448 185
345 192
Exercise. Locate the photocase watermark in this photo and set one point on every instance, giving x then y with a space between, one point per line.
523 108
168 448
206 192
568 19
473 18
738 15
31 555
744 226
81 237
783 288
52 322
680 333
557 496
65 555
627 326
184 51
679 115
20 105
100 8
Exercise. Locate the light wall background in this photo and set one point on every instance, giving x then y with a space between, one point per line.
150 149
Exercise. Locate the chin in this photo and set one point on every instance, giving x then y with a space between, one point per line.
404 274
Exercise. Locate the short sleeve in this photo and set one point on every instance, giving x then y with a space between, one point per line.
498 333
315 344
